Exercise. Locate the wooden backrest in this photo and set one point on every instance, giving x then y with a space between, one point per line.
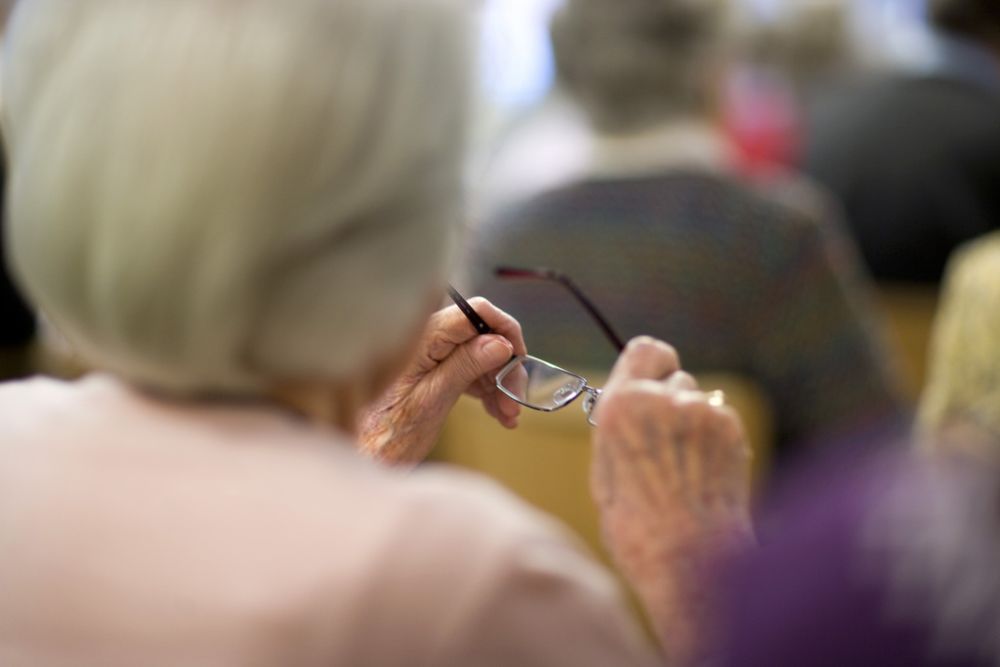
909 311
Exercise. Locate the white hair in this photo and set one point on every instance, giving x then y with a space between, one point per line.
635 63
206 195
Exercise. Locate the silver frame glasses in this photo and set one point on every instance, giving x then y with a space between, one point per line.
582 386
593 393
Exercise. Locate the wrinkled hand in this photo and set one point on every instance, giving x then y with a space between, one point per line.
671 480
452 359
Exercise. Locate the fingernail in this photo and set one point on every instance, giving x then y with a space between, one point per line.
498 348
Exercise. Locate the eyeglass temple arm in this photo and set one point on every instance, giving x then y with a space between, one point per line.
564 280
478 322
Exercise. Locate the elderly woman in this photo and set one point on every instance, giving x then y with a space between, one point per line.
241 214
658 225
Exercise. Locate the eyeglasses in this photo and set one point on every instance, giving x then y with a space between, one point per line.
533 382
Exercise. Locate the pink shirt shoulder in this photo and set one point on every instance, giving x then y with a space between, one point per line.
139 531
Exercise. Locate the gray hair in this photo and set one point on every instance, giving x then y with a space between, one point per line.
207 195
636 62
809 43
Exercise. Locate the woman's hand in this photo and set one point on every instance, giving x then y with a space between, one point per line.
671 480
452 359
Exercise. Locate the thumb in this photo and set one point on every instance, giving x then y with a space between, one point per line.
475 359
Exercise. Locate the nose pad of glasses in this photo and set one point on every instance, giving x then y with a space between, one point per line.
589 404
566 393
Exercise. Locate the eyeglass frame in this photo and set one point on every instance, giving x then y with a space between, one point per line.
593 393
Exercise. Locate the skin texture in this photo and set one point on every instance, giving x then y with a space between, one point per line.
671 480
451 359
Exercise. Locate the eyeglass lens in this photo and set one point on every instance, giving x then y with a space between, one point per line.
540 385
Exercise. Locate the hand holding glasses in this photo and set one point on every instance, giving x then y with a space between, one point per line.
533 382
536 383
539 385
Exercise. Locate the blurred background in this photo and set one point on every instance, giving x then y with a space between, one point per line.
781 49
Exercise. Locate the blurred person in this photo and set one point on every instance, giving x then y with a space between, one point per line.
961 405
658 227
915 157
811 41
890 559
240 213
782 61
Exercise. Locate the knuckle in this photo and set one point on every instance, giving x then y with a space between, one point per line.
686 380
615 402
467 365
698 412
642 392
619 407
694 403
634 402
436 319
439 345
670 354
645 401
517 327
642 344
478 302
731 425
647 346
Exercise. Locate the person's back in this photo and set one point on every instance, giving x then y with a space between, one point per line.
915 160
138 532
655 225
915 157
741 282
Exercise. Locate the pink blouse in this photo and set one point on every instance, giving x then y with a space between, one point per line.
135 531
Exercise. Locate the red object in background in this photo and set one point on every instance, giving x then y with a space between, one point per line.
762 119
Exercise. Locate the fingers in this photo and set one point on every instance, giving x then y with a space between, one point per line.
484 355
661 436
462 360
497 404
502 409
509 409
449 328
681 381
501 323
471 367
644 358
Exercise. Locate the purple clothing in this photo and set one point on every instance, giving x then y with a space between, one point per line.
872 565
